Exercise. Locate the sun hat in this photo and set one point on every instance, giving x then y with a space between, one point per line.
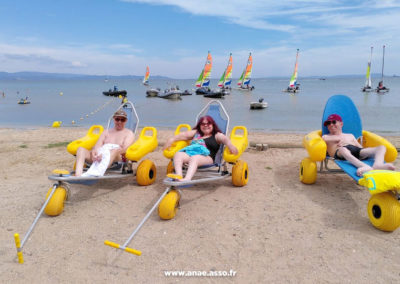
333 117
120 113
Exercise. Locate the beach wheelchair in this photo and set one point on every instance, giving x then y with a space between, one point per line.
384 186
168 202
205 174
145 172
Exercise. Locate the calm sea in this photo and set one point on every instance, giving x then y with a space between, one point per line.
82 101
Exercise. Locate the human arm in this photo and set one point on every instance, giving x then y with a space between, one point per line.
331 138
221 138
95 150
186 135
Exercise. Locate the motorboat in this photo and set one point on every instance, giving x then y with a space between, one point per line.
258 105
217 93
153 92
173 94
186 93
115 92
24 101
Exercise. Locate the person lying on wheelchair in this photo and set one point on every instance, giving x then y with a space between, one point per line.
206 140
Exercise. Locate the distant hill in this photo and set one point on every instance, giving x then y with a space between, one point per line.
42 75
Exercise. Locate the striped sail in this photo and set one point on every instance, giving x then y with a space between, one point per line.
245 78
225 79
146 76
204 78
293 79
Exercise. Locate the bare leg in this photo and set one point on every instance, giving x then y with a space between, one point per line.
114 156
361 167
194 162
82 154
379 155
179 159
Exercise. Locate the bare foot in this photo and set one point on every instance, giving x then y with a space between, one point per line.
387 166
362 170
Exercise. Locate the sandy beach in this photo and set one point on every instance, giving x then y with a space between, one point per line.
273 230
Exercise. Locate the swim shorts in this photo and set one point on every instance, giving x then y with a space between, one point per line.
354 150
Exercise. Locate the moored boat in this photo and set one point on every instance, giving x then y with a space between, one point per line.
173 94
381 89
115 92
294 86
153 92
368 84
258 105
245 78
204 78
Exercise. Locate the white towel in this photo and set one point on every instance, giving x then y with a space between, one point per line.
98 169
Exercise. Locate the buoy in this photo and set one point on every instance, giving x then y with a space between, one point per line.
61 93
56 123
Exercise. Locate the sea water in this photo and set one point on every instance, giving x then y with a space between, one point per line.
81 101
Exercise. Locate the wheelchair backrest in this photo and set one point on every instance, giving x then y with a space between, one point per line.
216 110
133 119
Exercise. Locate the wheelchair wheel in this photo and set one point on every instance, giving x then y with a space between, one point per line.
168 206
170 167
146 173
308 171
384 211
240 173
56 203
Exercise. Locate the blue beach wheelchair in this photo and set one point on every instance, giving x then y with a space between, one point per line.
383 207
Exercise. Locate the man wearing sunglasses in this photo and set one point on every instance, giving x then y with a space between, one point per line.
344 146
109 148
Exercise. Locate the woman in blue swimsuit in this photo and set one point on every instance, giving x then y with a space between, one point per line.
206 139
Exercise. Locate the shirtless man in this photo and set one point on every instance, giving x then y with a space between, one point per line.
345 146
119 138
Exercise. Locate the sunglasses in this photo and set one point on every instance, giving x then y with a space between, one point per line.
118 119
329 122
205 123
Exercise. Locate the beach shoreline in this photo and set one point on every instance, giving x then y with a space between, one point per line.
273 230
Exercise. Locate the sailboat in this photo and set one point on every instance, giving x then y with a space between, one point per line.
381 88
368 83
245 78
225 80
203 81
146 76
293 85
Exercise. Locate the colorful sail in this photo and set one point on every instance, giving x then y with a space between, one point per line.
225 79
293 79
368 83
146 76
204 78
245 78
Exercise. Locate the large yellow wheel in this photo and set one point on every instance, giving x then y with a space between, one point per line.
56 203
168 206
308 171
240 173
146 173
170 167
384 211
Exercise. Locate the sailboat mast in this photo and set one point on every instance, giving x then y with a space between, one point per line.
383 62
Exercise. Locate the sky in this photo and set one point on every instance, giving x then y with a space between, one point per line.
172 37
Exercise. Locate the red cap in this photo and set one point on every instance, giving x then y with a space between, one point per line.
333 117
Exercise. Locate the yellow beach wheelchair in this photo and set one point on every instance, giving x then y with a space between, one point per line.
145 172
168 202
384 186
